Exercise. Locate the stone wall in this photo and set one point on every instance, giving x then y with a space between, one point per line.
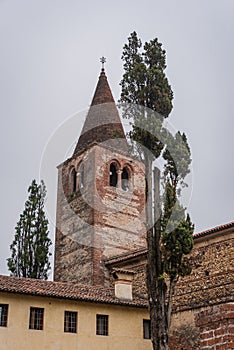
216 326
185 337
212 278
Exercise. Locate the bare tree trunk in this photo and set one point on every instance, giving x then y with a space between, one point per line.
156 285
169 303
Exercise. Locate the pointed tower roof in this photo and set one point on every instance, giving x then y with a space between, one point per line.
103 92
102 123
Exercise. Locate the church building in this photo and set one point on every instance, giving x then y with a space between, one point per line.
101 197
98 297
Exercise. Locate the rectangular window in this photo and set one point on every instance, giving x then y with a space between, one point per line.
102 324
146 329
36 318
3 315
70 321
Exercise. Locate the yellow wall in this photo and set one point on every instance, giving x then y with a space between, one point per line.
125 326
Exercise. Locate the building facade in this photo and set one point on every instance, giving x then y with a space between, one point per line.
47 315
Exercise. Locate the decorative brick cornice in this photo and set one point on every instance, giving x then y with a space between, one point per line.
214 230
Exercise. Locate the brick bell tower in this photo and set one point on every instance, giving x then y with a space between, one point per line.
100 198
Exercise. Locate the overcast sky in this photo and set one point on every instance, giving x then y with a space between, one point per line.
49 66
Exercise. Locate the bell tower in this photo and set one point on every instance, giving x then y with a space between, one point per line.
100 198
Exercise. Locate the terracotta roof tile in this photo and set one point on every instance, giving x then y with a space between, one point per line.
70 291
127 272
102 124
103 92
214 230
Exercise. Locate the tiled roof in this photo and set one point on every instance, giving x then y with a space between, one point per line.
102 123
127 272
103 92
70 291
214 230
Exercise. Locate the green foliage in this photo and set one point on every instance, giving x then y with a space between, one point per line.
176 227
30 247
145 83
176 244
177 156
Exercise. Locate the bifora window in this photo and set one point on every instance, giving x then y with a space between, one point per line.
102 324
70 321
3 315
36 318
146 329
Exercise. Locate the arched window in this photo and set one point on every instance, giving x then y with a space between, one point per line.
74 180
125 179
113 175
82 175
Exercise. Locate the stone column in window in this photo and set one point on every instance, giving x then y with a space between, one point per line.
119 182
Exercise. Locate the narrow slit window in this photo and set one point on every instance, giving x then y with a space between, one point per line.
125 179
82 176
74 180
146 329
113 175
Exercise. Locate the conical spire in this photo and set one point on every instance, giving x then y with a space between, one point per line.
103 92
102 123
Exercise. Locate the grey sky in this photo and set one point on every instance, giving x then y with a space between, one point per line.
49 66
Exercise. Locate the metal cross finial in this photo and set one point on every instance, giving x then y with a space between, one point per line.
103 61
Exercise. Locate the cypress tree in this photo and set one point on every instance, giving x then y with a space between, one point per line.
147 100
30 247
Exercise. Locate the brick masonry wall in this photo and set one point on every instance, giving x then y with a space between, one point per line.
97 221
216 327
74 224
